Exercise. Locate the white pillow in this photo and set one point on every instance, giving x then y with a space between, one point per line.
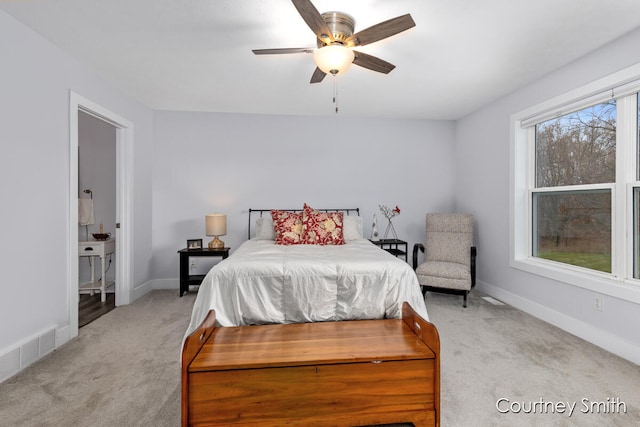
352 227
264 229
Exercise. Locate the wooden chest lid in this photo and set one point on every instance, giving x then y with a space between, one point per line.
359 341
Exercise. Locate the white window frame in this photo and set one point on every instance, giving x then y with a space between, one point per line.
620 283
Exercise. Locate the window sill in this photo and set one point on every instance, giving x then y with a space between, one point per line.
603 283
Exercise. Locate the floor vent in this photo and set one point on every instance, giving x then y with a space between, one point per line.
493 301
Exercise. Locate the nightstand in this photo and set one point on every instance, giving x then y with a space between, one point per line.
187 279
393 246
97 248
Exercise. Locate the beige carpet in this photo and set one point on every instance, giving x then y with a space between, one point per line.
494 352
123 370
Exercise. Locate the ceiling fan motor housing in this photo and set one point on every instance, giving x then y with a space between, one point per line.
341 26
336 39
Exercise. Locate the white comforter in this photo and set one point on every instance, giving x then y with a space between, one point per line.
267 283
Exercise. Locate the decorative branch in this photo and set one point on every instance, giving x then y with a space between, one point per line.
389 213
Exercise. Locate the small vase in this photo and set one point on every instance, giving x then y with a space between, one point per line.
390 228
374 229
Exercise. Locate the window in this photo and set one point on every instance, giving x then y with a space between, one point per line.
636 232
577 152
578 148
636 200
575 187
573 227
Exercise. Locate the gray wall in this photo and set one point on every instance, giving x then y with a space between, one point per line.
482 186
205 163
36 78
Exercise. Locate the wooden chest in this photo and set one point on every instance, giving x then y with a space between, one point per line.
350 373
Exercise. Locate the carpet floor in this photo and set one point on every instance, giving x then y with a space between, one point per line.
500 367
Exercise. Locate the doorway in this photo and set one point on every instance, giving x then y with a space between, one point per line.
122 233
97 215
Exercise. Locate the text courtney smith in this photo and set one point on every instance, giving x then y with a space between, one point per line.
611 405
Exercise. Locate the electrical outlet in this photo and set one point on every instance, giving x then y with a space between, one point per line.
193 266
597 303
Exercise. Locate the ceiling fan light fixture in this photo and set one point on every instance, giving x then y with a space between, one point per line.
333 59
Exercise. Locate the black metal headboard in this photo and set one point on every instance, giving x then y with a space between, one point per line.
259 213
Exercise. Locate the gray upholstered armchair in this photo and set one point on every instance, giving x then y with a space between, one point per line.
450 258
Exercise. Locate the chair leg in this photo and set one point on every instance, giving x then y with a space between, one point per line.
464 301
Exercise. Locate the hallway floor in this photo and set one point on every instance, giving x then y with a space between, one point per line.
90 307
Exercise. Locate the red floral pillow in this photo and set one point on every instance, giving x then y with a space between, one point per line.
287 226
322 228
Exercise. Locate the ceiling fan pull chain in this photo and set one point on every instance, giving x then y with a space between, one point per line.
335 92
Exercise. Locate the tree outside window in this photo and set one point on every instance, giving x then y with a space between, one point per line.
575 160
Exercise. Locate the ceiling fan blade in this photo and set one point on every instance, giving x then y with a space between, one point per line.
283 50
317 76
314 20
381 31
372 63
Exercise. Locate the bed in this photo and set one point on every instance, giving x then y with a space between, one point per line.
289 314
263 282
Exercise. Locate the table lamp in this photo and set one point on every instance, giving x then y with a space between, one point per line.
216 225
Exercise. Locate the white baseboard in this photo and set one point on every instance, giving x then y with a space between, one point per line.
16 357
63 335
166 284
20 355
587 332
141 290
154 284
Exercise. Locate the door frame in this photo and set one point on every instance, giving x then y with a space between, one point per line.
124 203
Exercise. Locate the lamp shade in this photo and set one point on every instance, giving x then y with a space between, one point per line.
334 58
216 224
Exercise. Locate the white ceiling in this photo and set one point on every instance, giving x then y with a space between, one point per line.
195 55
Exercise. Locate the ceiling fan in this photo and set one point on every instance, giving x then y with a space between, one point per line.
335 40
